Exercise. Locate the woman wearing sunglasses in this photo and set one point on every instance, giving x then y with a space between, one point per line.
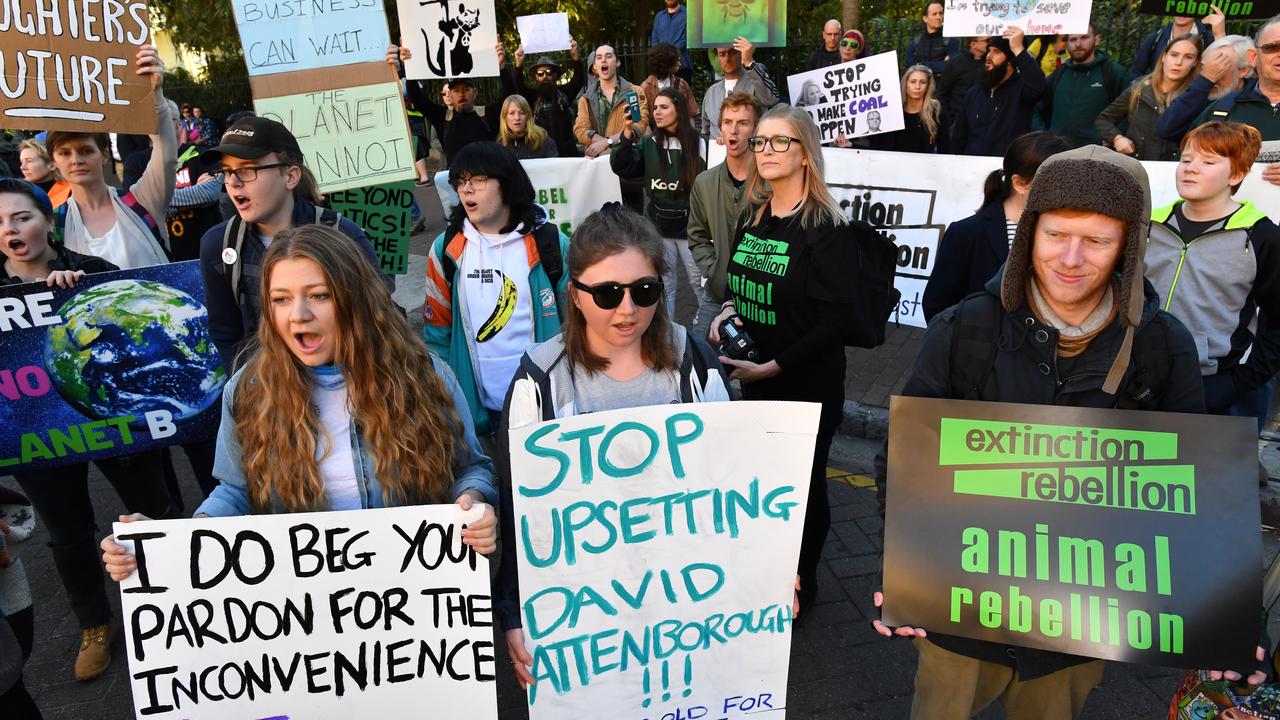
618 350
789 285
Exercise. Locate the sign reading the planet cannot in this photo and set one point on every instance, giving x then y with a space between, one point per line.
118 364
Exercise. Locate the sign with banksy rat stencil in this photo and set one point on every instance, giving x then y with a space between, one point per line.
449 38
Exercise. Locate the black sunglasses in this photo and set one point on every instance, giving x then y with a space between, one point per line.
608 295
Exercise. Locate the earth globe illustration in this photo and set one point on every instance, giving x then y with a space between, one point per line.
128 347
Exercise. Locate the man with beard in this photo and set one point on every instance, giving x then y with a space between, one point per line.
1225 68
552 102
999 108
959 74
829 53
1081 89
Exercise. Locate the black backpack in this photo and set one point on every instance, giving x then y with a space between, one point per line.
877 266
976 338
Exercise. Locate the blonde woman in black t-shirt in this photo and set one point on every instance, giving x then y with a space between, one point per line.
788 287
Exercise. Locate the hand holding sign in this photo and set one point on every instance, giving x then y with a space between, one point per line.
149 63
902 630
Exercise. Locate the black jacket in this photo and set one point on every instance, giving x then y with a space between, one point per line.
971 252
990 120
457 129
555 112
1024 372
65 260
958 75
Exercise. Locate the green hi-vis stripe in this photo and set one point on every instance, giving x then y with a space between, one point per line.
996 445
1158 488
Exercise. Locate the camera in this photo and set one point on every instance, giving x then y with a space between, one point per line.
735 343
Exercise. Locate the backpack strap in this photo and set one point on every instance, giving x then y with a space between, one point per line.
973 345
328 216
548 244
60 223
131 202
233 239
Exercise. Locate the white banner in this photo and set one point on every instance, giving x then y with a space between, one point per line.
966 18
358 614
912 198
860 97
287 36
569 188
657 553
449 38
545 32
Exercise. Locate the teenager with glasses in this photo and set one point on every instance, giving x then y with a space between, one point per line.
494 278
619 350
790 286
120 226
60 495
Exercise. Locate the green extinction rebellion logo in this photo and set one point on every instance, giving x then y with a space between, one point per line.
1126 469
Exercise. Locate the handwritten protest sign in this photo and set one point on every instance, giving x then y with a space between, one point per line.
966 18
657 551
569 189
362 613
911 199
1115 534
351 137
545 32
385 213
282 36
119 364
449 38
1232 9
717 23
69 65
860 97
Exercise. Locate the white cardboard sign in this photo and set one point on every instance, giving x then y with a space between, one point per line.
967 18
857 98
657 552
546 32
329 614
449 38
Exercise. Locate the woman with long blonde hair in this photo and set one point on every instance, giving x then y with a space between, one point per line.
1147 98
339 405
923 130
790 286
521 133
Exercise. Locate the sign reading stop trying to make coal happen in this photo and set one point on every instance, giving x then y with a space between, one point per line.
70 65
119 364
1114 534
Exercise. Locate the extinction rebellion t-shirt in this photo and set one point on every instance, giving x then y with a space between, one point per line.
781 277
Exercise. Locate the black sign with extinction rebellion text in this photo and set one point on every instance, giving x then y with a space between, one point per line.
1115 534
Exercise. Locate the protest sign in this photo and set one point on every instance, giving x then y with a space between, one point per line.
1114 534
385 213
1232 9
545 32
69 65
282 36
966 18
911 198
860 97
657 552
717 23
119 364
363 613
449 38
351 137
569 189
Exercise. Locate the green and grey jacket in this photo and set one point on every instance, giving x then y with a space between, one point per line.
1216 285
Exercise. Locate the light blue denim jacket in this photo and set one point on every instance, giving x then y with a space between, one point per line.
473 471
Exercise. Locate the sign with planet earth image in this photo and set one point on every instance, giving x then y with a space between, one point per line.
119 364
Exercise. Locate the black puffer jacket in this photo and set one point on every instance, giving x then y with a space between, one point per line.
1025 371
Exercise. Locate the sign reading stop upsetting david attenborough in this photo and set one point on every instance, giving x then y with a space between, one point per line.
119 364
1113 534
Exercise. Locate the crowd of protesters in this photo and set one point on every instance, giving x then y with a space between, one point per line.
1065 261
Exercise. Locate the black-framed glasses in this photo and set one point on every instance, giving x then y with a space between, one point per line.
779 143
477 182
645 292
247 174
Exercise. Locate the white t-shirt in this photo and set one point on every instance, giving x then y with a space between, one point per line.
127 245
730 84
338 466
494 271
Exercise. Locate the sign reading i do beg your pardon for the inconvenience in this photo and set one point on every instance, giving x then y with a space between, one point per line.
1114 534
657 554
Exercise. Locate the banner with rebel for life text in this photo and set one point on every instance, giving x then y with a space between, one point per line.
361 613
657 551
70 65
119 364
1114 534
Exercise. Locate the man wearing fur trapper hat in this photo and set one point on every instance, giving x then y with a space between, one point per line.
1069 320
